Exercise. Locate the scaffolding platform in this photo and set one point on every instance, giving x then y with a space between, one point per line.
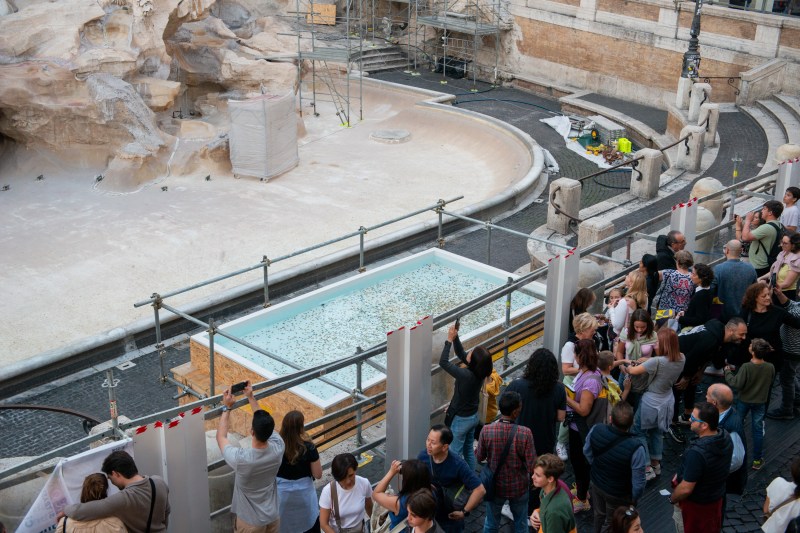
459 24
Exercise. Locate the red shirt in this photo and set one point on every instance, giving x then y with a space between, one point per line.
514 478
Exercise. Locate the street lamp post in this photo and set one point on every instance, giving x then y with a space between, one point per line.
691 58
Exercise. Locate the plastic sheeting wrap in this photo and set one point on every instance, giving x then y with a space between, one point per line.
263 135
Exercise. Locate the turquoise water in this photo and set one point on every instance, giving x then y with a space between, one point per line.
334 328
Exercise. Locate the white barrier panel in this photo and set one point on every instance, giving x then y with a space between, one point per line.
788 176
419 386
64 485
684 219
397 393
185 452
148 441
562 284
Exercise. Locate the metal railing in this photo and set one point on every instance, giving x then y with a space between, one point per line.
34 467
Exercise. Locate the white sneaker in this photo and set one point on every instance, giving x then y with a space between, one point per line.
506 511
561 451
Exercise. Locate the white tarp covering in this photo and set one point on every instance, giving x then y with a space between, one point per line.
263 135
562 125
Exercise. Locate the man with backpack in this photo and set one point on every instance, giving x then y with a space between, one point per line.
765 239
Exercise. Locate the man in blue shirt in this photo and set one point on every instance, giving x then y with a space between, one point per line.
731 279
450 470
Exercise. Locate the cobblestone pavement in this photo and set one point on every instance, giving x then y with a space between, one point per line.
140 393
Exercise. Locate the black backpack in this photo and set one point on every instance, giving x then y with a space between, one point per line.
775 249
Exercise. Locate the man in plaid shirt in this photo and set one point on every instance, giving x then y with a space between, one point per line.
512 481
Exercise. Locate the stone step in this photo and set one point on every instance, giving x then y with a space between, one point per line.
774 132
792 103
784 117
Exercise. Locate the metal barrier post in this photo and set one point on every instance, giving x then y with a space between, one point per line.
159 344
110 383
266 262
489 242
211 330
508 325
440 239
361 232
356 393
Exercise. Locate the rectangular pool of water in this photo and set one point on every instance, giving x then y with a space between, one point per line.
331 322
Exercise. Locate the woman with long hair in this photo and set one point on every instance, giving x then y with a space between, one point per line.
585 327
544 404
462 413
656 406
785 271
636 343
649 267
300 466
416 476
763 321
587 386
95 487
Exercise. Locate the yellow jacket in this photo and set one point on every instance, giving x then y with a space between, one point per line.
492 391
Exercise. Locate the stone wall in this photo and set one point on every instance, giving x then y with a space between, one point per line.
634 49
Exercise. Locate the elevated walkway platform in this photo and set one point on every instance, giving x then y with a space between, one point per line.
461 24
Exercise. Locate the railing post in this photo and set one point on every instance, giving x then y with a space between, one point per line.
356 392
508 325
111 384
159 344
440 239
266 262
489 242
361 232
211 384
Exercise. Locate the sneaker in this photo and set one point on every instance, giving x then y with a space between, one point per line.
649 473
506 511
676 434
780 414
657 469
683 420
757 464
581 506
561 451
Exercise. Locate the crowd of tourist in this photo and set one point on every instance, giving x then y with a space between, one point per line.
628 378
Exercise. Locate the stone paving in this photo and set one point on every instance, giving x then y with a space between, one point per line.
139 393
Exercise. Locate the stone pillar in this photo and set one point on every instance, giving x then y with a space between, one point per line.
562 284
590 273
710 111
701 93
684 89
593 230
566 194
706 186
646 177
705 221
691 161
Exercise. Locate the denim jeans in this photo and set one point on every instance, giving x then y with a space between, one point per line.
757 412
519 508
788 378
652 439
463 428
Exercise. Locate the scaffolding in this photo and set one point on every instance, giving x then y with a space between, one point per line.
448 35
331 55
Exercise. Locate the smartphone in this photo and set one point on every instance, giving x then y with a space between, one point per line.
458 323
238 388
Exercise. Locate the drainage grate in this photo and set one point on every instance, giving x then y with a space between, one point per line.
126 365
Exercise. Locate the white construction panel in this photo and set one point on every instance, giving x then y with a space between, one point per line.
185 450
562 284
148 442
397 393
684 219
